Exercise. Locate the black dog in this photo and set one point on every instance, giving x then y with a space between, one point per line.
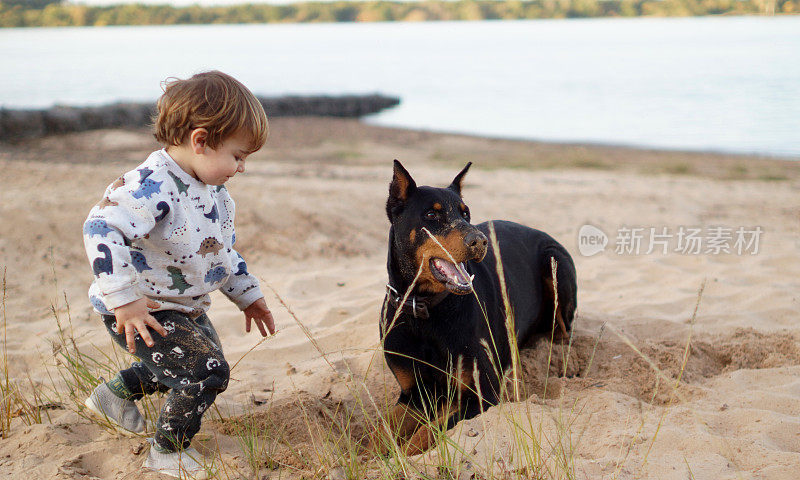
452 318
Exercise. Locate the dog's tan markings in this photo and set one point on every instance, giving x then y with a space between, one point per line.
402 422
437 206
405 378
454 243
424 437
413 235
420 442
466 380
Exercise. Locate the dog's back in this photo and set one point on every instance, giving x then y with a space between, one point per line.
526 255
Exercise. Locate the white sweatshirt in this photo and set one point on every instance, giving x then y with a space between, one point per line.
160 233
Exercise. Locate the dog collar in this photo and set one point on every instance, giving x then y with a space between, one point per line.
415 305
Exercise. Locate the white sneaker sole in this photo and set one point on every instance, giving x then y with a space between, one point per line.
171 472
90 405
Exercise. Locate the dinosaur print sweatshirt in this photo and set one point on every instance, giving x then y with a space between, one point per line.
160 233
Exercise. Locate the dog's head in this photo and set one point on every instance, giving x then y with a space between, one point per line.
432 233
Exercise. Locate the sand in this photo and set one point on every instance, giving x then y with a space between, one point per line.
311 223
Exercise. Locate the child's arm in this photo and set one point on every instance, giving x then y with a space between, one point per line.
242 287
118 219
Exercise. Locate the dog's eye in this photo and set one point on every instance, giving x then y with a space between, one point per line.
430 215
465 214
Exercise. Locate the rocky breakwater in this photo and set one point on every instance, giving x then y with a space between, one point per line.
21 124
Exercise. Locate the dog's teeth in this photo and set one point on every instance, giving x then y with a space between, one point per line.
471 278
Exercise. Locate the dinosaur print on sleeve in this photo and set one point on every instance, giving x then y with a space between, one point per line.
105 263
144 173
123 217
99 305
96 227
162 207
147 188
117 183
241 267
106 202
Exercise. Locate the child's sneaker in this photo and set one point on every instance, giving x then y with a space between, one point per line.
120 412
183 464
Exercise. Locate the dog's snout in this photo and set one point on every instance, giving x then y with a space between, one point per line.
476 242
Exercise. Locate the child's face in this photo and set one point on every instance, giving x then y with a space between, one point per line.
217 166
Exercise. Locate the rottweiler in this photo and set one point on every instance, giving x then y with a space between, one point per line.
443 324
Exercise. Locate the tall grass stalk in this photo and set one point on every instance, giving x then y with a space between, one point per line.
6 389
511 330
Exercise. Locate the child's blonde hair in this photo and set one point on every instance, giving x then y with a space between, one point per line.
214 101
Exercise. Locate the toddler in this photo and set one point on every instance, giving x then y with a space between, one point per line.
159 241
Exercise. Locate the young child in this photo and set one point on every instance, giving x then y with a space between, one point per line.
159 241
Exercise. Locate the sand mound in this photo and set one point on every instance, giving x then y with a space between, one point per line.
311 222
607 362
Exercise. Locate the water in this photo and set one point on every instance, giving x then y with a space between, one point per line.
727 84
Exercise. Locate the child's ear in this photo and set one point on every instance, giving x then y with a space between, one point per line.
197 140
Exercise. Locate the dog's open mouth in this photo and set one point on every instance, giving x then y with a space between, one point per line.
454 278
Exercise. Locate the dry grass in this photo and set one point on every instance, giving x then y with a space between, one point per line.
543 445
338 453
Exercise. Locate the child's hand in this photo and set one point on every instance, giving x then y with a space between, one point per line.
135 317
259 312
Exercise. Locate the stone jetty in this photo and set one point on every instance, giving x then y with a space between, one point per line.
21 124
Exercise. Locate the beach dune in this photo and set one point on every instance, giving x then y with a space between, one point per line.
681 365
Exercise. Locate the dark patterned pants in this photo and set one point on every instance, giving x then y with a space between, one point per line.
188 363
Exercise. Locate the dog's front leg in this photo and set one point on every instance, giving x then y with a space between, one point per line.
425 436
401 422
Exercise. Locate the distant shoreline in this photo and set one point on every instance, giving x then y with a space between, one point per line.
55 13
351 141
600 144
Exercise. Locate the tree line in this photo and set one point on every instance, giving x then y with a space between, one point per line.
52 13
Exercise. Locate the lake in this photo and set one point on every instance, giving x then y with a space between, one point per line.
715 83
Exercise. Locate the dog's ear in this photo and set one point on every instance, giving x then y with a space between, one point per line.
400 189
456 185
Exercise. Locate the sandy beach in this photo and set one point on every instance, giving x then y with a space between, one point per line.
646 390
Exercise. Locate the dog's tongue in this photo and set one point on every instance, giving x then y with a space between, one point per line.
450 271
